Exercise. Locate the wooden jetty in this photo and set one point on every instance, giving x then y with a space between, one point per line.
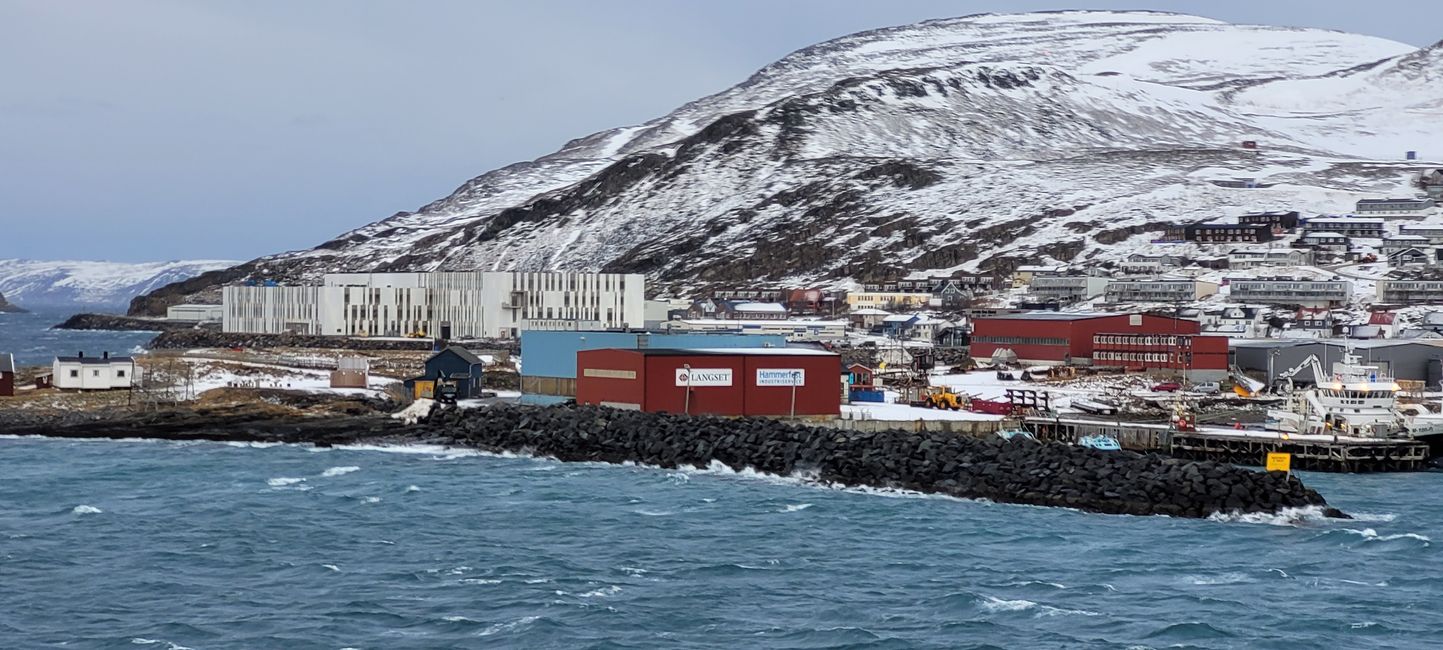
1310 452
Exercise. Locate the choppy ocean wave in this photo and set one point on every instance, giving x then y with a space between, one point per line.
436 547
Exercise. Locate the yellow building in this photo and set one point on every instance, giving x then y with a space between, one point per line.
890 300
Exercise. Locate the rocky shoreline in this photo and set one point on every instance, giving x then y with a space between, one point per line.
7 307
185 339
112 322
1020 471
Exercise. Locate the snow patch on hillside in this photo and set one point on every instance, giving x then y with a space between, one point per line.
36 283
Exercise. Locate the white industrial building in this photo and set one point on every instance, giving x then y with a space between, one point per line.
469 304
94 373
195 313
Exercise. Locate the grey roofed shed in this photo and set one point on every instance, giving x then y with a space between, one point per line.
1409 360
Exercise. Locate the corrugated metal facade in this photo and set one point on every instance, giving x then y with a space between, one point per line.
1061 338
753 384
548 358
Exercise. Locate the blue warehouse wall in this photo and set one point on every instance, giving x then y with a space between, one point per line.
553 354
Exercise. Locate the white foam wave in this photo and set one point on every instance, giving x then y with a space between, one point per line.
654 513
1284 517
252 445
168 644
340 471
795 507
412 488
372 499
992 604
594 593
458 619
1220 579
332 567
479 581
1368 534
83 509
1371 517
509 625
284 481
537 581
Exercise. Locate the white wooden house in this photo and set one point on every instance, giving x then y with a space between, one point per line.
95 373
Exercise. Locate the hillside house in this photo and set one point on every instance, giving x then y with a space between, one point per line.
1251 258
1023 275
7 374
1434 234
755 294
1278 221
1287 291
890 300
811 301
1315 323
95 373
1410 292
1066 289
1402 208
1347 226
1330 243
1151 264
1239 322
867 318
1158 290
1227 233
1406 250
910 326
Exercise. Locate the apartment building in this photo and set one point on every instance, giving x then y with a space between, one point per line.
471 304
1286 291
1170 291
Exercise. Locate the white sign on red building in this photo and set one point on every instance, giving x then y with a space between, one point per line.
703 376
781 377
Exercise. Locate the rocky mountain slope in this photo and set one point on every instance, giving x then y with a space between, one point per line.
7 307
976 142
37 283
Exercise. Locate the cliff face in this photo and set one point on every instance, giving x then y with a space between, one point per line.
7 308
972 143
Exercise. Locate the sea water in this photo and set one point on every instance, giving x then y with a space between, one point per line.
30 338
118 544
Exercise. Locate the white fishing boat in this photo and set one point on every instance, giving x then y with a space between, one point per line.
1355 399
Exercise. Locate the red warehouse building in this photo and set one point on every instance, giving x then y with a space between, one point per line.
743 381
1049 337
1199 358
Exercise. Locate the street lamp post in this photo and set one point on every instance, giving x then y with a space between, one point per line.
796 376
686 401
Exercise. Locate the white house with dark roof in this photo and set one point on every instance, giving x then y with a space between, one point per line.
1416 207
95 373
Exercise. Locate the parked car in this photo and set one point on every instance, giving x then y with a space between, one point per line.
1167 387
1208 387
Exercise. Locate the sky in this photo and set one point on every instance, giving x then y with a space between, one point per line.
154 130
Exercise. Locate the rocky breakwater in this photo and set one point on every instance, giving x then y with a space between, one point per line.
210 338
121 323
1019 471
7 307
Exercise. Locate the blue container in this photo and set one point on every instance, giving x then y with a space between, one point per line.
868 395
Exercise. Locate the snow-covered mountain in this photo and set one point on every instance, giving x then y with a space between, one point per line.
34 283
975 142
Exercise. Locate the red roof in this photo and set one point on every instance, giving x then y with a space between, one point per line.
1381 318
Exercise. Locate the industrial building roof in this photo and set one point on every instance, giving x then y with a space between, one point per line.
719 352
1053 315
1358 344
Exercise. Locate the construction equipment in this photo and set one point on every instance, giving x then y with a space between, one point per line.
941 397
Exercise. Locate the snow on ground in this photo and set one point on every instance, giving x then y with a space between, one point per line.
209 375
34 282
904 412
